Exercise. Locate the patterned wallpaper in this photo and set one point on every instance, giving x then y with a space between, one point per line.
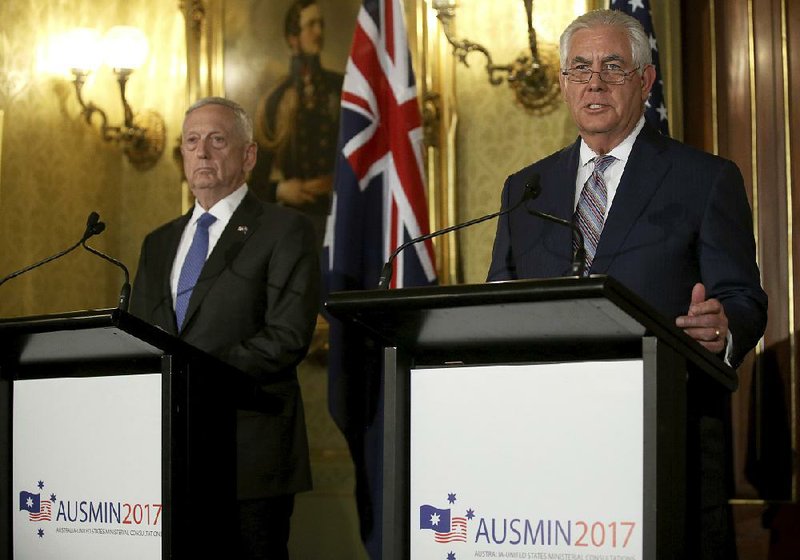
496 137
56 169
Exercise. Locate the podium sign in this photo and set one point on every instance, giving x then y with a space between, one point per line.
502 467
110 430
536 419
87 468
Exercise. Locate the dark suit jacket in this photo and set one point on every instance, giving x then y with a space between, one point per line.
254 306
680 216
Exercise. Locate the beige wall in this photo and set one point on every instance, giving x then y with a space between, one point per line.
55 169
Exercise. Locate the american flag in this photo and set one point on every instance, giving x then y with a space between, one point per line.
656 108
379 202
38 509
457 532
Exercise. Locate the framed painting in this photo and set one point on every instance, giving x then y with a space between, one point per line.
284 62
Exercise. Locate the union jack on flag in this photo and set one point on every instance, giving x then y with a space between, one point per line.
379 190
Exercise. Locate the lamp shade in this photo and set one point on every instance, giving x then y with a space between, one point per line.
126 47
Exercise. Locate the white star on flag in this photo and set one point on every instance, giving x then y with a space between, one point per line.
653 44
435 519
29 503
635 4
662 111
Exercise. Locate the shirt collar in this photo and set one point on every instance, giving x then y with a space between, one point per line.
621 151
222 210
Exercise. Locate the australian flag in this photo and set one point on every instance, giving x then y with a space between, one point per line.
379 203
656 108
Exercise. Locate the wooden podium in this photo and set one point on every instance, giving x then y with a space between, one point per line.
566 321
193 505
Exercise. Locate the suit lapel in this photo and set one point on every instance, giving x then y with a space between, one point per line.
558 199
240 228
644 174
166 311
561 180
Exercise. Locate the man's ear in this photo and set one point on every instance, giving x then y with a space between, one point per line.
648 79
562 83
250 156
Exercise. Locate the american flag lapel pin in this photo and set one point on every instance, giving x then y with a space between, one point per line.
242 230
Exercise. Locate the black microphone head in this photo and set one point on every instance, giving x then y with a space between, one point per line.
98 228
91 226
533 187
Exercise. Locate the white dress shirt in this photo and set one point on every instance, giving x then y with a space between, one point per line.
613 173
222 211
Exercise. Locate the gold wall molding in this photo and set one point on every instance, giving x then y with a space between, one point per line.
751 88
787 132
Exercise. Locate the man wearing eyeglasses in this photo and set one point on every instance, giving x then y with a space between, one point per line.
670 222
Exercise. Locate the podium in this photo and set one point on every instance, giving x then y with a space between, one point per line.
117 440
534 418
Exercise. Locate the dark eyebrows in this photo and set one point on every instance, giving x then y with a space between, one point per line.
580 60
606 59
613 58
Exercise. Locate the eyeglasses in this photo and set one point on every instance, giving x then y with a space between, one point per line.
582 75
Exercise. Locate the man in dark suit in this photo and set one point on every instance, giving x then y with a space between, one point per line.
239 279
670 222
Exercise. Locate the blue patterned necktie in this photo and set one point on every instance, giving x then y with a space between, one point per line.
591 210
195 259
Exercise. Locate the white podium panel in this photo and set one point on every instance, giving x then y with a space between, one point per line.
87 468
527 461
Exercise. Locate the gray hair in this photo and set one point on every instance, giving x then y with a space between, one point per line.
243 121
640 42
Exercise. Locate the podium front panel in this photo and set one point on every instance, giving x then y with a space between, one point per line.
513 460
87 468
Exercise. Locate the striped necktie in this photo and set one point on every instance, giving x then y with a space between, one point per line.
591 210
190 272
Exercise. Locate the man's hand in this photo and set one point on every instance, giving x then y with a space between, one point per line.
319 186
706 321
291 193
298 193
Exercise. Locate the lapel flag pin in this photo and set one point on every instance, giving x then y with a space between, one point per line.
242 230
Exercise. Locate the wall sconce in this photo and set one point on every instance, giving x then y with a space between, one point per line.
533 78
142 136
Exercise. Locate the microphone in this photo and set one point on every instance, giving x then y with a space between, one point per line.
579 257
92 228
532 190
125 292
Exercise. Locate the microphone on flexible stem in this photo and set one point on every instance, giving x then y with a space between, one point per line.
579 257
91 229
125 293
532 190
